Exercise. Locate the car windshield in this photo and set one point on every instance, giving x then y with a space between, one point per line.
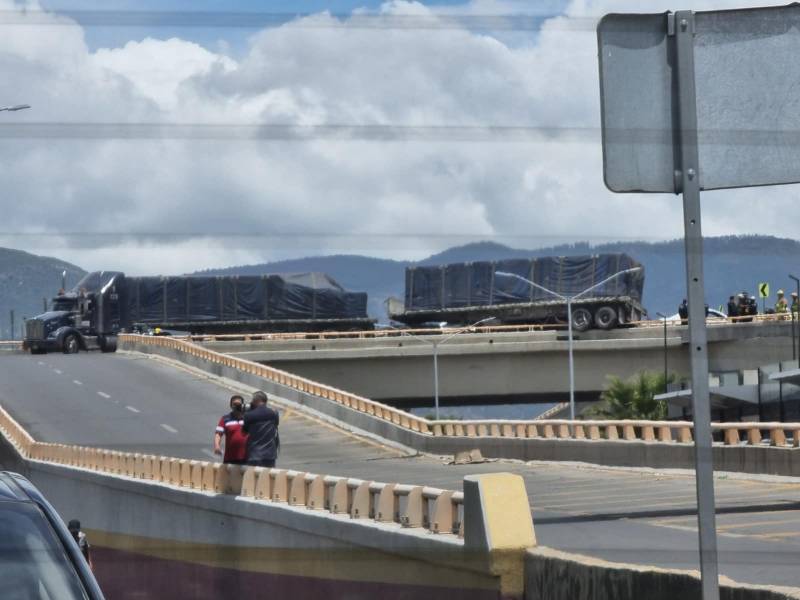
33 563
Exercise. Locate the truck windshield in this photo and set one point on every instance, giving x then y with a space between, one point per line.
64 303
32 559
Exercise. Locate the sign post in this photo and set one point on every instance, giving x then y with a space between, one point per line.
763 293
695 101
683 28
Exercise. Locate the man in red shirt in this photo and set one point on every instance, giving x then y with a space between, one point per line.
230 426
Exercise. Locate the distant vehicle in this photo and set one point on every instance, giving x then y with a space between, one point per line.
711 314
106 303
464 293
40 558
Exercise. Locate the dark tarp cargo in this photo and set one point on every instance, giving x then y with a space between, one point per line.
477 283
248 298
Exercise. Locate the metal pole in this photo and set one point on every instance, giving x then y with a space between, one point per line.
666 370
436 380
690 179
11 316
571 363
797 283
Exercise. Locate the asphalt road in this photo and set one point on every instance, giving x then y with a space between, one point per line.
137 403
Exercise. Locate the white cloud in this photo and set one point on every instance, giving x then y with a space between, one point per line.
205 197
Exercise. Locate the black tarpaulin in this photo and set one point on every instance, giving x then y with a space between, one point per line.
478 283
192 299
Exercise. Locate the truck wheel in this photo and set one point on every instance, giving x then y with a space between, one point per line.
108 344
605 317
71 344
581 319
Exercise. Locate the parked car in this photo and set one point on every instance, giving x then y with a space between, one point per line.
39 558
712 314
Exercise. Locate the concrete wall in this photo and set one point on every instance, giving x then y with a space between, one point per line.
152 540
554 575
479 366
746 459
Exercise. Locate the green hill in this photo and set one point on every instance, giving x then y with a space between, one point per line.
25 280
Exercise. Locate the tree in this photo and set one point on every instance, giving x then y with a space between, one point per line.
633 398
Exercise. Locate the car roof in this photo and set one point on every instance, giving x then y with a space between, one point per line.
15 488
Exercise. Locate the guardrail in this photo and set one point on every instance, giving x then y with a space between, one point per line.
364 405
520 328
734 434
681 432
438 511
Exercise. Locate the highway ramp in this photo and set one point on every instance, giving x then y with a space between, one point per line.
140 403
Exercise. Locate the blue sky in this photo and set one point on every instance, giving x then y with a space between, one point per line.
110 34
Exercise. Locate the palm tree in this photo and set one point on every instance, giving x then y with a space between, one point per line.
633 398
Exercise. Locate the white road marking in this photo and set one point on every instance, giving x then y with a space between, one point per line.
76 382
135 410
57 371
208 452
103 395
169 428
41 364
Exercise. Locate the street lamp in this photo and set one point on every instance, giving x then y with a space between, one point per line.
569 300
665 350
436 344
14 108
797 282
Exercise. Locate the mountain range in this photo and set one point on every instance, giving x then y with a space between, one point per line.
732 264
25 281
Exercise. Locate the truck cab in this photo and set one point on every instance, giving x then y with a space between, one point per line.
88 317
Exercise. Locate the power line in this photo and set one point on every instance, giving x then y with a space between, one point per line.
289 132
259 20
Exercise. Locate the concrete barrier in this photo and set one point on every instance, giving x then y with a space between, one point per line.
201 530
198 530
610 443
554 575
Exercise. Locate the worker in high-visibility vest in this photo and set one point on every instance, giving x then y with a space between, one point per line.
781 305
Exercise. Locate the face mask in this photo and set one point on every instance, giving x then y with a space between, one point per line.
237 407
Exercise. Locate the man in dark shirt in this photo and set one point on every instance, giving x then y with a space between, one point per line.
261 427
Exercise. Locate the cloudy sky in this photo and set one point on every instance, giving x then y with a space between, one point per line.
169 136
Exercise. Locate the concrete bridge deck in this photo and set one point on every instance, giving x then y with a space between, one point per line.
133 402
508 366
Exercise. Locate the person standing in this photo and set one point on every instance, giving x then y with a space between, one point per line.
733 309
795 302
261 427
230 427
781 305
74 527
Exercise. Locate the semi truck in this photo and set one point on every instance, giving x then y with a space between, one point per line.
106 303
465 293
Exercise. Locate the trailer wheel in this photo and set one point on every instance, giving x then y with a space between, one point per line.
71 344
605 317
581 319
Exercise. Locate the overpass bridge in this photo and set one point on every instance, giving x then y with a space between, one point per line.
504 364
145 403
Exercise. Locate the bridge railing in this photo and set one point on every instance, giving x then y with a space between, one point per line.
435 510
681 432
358 403
733 434
439 331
